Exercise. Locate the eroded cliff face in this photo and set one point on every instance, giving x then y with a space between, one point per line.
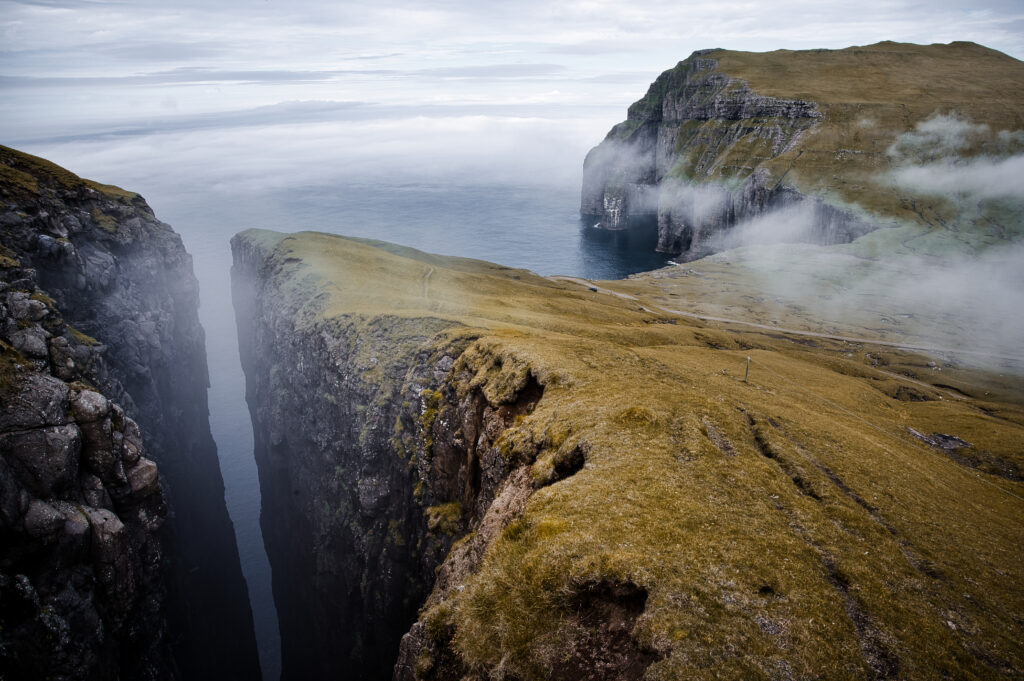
123 285
567 483
690 118
726 138
80 505
371 461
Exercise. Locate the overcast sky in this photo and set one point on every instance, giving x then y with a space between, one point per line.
492 75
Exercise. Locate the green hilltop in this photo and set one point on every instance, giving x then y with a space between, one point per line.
804 521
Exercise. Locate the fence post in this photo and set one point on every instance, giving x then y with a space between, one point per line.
747 372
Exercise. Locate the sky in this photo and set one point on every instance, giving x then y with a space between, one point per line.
214 109
239 94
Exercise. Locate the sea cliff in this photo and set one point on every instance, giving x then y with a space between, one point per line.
541 479
726 137
101 317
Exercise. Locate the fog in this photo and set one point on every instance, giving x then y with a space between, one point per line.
946 155
457 127
944 288
968 303
795 223
465 182
256 157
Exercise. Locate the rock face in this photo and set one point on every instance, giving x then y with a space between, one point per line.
115 314
653 164
375 451
734 148
80 507
355 523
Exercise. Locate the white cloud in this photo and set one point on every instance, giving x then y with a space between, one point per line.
951 156
983 178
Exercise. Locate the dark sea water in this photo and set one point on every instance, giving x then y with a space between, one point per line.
519 226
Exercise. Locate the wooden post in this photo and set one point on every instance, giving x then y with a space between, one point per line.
747 372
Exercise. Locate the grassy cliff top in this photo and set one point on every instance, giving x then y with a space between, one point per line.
904 136
24 174
980 80
790 525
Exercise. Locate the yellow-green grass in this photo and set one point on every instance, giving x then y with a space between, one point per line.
790 524
21 173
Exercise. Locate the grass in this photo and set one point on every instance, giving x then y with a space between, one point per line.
785 525
104 221
867 97
81 337
22 173
444 518
8 258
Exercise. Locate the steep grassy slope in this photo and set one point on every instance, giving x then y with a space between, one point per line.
871 95
664 518
750 152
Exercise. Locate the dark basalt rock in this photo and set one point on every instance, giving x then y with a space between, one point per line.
372 462
81 585
105 370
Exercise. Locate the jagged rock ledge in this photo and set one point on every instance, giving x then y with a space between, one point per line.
570 484
80 505
101 332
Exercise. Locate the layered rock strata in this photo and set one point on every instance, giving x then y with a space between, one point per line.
813 139
123 285
692 116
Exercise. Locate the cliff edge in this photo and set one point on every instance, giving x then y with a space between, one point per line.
567 481
826 140
100 296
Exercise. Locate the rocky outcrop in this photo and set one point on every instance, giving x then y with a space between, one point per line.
123 285
80 507
693 154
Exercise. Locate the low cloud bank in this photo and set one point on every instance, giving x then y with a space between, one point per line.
980 179
253 155
946 155
965 303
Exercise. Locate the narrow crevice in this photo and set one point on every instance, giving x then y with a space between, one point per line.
878 653
769 451
881 658
719 439
916 561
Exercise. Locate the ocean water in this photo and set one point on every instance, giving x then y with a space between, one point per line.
532 227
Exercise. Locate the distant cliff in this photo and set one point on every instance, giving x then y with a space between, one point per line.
101 295
727 137
535 479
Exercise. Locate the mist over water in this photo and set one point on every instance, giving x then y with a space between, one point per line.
498 188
